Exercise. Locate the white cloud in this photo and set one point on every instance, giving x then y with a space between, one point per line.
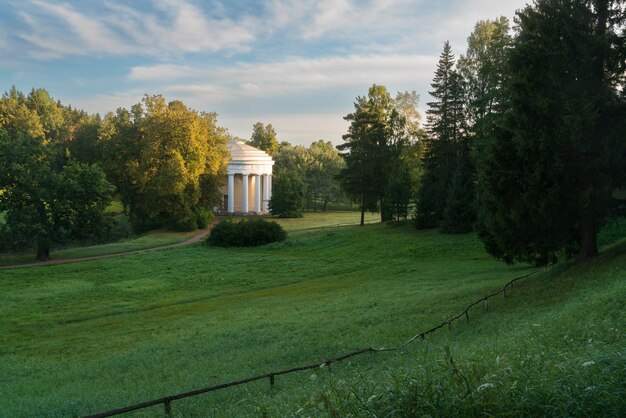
60 29
164 71
328 72
299 74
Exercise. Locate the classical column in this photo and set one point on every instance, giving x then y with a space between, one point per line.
266 192
244 200
231 193
269 192
257 193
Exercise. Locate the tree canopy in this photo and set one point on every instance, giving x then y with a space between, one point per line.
547 172
165 158
47 196
264 138
374 144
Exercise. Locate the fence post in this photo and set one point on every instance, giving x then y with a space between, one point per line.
167 405
466 315
487 305
272 379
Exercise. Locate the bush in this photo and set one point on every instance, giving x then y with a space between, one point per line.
246 233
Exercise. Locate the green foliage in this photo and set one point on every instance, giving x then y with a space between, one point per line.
374 144
446 127
245 233
547 172
165 160
45 202
460 212
319 166
399 192
288 193
264 138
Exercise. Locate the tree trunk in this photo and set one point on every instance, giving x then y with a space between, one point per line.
43 252
362 209
588 239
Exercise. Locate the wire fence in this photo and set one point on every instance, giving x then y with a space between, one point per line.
271 376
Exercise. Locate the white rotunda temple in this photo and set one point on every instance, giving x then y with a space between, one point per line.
249 185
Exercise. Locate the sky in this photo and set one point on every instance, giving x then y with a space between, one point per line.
297 64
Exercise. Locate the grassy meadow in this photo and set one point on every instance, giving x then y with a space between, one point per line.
150 239
82 338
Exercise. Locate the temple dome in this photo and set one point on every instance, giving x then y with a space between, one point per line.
241 152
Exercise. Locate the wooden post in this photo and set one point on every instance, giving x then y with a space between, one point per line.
167 405
466 315
272 380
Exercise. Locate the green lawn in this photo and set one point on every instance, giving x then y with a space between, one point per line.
149 240
86 337
316 220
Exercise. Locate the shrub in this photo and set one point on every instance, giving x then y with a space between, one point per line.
246 233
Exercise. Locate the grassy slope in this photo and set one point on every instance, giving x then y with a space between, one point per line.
148 240
86 337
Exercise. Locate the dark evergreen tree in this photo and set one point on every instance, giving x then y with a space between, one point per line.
460 212
547 173
446 130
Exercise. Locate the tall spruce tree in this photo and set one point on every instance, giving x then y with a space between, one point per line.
546 175
446 130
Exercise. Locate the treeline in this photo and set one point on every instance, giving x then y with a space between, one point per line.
525 140
305 178
59 167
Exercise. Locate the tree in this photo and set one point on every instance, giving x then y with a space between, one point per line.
547 173
164 158
291 158
460 212
374 142
288 192
45 203
324 164
17 118
483 70
264 138
446 128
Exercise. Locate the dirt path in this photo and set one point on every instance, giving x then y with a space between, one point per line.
196 238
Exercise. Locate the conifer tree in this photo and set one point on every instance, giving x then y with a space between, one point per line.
546 175
446 130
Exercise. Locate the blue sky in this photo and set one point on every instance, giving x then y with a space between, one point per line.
295 64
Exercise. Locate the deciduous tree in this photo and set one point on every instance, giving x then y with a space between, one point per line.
44 203
264 138
374 142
